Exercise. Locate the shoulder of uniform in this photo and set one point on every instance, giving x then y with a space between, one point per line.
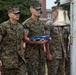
26 21
20 25
4 23
41 21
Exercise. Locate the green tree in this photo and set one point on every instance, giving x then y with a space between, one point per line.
23 4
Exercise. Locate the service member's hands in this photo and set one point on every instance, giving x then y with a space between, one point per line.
49 57
42 42
0 63
49 41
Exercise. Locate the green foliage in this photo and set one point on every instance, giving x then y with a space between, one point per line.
24 8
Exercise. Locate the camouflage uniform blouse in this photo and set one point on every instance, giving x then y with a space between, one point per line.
35 28
12 36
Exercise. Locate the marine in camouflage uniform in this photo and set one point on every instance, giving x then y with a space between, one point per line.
10 53
34 52
57 65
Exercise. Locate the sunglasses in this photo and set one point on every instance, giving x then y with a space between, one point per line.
17 13
38 9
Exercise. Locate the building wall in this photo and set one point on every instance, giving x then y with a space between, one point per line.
43 16
43 8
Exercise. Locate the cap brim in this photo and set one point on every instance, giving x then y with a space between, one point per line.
38 8
16 12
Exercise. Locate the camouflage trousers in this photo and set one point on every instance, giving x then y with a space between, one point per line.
13 71
21 70
35 67
56 67
67 68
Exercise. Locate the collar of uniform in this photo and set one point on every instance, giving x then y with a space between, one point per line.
12 23
36 20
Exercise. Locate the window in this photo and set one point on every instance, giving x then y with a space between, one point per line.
48 15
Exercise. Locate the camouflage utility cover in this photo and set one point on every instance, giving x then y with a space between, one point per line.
36 5
13 9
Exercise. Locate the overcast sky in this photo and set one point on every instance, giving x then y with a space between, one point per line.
50 3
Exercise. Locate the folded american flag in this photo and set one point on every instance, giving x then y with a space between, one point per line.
37 38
